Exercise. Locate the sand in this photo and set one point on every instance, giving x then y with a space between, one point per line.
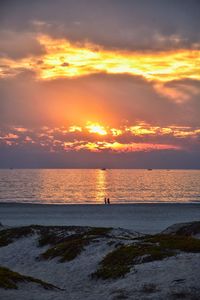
171 278
175 277
147 218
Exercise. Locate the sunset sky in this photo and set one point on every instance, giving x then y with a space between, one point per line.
92 84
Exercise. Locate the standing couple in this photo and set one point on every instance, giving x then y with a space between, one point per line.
107 200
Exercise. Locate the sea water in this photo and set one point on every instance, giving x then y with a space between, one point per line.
75 186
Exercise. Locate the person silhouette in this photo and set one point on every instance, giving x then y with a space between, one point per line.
105 202
108 201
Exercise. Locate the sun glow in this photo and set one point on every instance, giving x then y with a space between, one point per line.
96 128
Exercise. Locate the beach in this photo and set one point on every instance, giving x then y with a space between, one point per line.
147 218
60 262
99 251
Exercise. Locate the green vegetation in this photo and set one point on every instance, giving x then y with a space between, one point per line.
174 242
64 246
51 237
7 236
48 237
189 229
9 280
67 250
99 231
119 262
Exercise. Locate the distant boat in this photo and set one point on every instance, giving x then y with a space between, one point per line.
149 169
103 169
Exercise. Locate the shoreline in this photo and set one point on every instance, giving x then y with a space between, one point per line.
147 218
99 204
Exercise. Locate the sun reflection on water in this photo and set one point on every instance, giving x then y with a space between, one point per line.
101 186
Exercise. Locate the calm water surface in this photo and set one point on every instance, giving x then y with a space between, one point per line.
91 186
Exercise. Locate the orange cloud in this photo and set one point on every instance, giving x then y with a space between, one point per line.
75 128
20 129
142 129
11 136
65 59
94 137
119 147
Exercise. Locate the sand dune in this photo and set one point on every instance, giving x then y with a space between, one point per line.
173 276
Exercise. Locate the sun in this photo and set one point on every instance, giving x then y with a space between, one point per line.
96 128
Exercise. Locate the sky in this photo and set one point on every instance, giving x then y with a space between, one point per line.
92 84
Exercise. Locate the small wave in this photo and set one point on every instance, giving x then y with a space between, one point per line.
195 201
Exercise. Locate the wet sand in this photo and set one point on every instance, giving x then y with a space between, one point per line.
146 218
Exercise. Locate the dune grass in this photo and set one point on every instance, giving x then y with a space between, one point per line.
119 262
68 248
63 245
10 279
99 231
158 247
49 235
176 242
7 236
189 229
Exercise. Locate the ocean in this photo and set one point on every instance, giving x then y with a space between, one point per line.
78 186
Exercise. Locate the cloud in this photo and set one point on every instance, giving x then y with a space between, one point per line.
17 46
65 64
107 99
174 75
139 137
130 67
85 59
133 25
35 158
182 90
